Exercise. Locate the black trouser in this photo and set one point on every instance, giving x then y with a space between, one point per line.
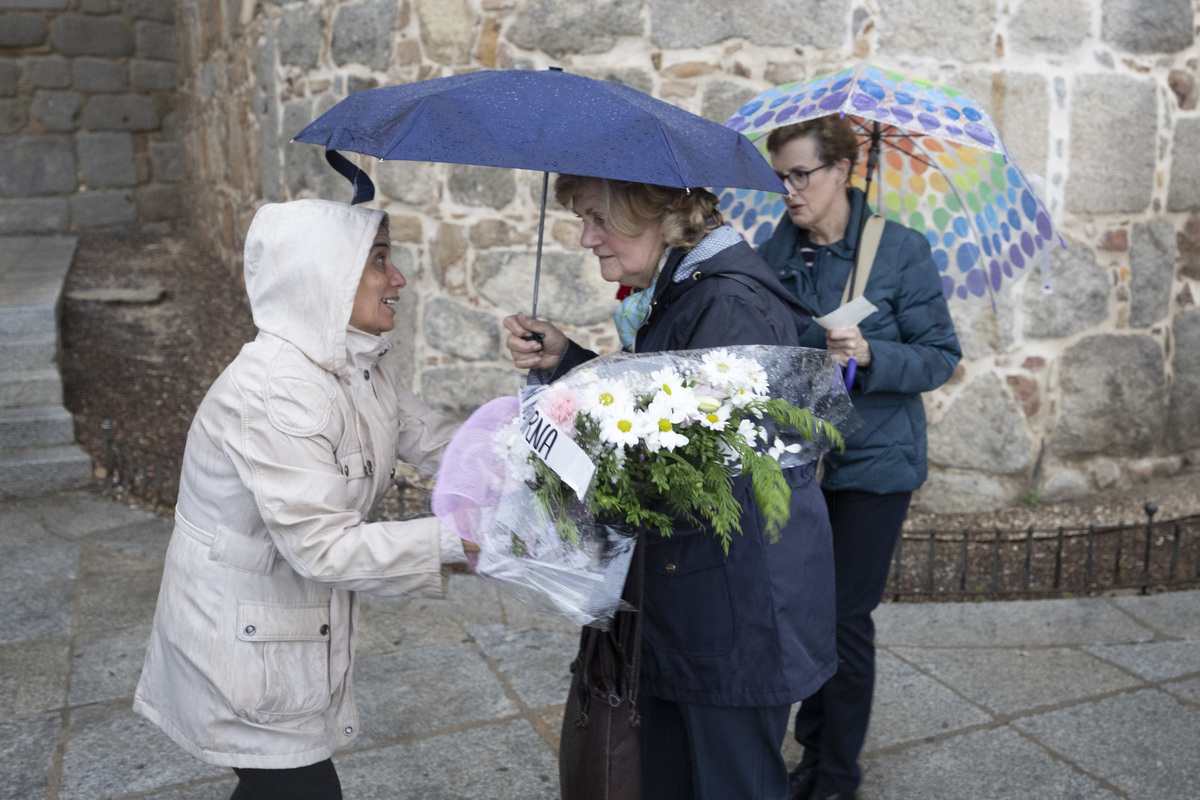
314 782
832 724
695 752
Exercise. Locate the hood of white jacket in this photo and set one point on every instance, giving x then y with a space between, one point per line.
303 261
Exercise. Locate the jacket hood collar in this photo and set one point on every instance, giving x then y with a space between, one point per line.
364 349
303 261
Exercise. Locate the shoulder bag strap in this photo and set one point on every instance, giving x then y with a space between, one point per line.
868 245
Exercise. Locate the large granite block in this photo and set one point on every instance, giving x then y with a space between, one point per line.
85 35
37 165
107 159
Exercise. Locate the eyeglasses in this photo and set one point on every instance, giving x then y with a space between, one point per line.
798 178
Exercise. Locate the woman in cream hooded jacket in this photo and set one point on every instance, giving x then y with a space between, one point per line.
251 657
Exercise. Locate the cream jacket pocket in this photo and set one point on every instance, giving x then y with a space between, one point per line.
281 661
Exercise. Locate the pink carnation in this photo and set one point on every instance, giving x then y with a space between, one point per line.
560 407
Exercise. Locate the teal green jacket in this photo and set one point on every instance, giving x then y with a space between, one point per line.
913 346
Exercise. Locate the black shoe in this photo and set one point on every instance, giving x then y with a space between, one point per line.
822 794
801 781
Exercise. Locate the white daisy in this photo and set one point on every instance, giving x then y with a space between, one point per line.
662 416
756 378
715 419
622 426
749 432
741 396
512 449
602 396
667 381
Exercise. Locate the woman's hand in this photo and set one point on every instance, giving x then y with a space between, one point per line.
527 351
847 343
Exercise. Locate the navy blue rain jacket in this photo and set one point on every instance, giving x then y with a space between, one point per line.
756 627
913 346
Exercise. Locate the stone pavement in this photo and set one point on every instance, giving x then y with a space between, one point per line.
1089 699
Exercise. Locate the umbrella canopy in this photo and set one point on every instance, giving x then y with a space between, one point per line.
945 172
550 121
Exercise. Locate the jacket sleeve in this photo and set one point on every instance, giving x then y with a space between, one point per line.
928 349
424 433
309 507
573 357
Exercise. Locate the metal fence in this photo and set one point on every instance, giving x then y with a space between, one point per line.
927 564
1062 562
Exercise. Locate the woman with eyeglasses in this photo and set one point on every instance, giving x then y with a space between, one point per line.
906 347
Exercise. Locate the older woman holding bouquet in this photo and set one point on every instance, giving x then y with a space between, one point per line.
731 640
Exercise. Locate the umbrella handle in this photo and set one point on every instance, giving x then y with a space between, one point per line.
851 371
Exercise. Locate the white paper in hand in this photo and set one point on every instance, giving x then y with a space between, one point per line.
847 316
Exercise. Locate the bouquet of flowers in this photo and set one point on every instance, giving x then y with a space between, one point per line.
554 489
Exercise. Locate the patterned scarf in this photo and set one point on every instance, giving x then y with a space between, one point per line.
633 310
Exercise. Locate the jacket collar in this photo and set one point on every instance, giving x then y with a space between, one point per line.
364 349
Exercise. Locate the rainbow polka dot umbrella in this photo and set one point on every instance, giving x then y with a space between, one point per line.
942 170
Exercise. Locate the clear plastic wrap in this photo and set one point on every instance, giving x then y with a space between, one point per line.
552 551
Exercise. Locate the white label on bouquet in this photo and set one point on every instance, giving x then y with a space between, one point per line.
847 316
553 446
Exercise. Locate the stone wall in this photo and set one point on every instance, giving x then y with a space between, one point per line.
1089 384
88 128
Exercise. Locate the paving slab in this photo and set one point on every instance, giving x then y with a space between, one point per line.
1175 613
146 540
1009 623
1012 680
498 762
76 514
548 722
425 690
536 663
27 748
386 629
99 561
467 599
206 790
1188 690
1155 661
910 706
36 611
105 665
112 752
521 615
115 601
33 676
1147 750
995 764
29 554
